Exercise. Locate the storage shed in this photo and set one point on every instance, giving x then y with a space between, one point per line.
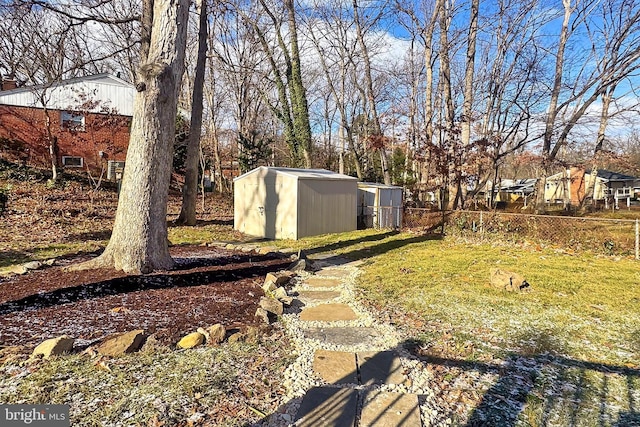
379 205
284 203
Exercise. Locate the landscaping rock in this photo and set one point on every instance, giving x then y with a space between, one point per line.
267 250
272 305
19 269
237 337
194 339
204 332
50 262
153 345
507 280
262 314
299 265
217 333
268 287
33 265
287 301
252 335
280 293
279 279
120 344
54 347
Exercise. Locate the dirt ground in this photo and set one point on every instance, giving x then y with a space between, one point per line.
209 285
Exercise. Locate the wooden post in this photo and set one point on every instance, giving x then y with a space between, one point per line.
637 239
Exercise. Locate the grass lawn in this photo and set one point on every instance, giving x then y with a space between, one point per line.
227 386
567 352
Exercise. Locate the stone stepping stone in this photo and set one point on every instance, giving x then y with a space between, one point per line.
348 335
328 407
336 367
317 295
383 367
333 272
321 282
328 313
386 409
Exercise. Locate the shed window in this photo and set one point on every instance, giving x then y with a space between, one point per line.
72 161
70 121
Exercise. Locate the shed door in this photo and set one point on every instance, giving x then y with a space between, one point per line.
254 215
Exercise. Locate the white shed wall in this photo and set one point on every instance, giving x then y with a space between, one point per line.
265 204
276 204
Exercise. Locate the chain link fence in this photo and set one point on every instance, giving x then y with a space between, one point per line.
607 236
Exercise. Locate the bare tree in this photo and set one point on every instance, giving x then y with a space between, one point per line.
335 48
190 189
376 139
616 59
139 242
275 28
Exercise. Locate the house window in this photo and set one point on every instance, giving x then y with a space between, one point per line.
72 161
70 121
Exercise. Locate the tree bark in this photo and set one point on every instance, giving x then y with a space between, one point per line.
450 185
190 189
467 105
52 142
139 242
301 124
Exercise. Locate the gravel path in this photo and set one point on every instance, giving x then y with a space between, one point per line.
300 377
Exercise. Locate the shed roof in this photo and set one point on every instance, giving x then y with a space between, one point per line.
304 174
378 185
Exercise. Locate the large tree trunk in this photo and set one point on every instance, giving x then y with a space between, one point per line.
190 188
139 242
467 105
429 63
450 189
299 102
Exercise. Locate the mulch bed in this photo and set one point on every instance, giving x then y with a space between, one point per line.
209 285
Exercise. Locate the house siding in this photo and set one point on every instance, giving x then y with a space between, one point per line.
23 137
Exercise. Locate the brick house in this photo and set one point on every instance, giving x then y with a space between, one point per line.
574 186
89 117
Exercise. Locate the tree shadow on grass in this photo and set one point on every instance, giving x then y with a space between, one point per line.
88 235
371 250
8 258
204 223
12 257
551 386
517 386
